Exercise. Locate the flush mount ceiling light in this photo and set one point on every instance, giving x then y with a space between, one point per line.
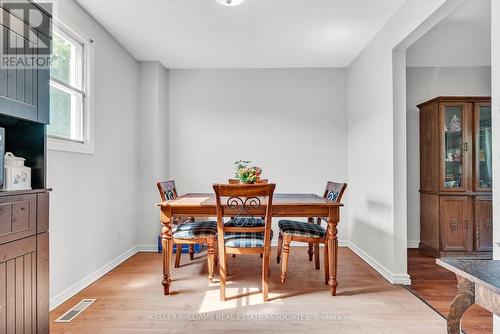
230 3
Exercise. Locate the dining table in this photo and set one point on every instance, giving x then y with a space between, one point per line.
284 205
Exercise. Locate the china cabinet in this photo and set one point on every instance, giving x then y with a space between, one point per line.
456 176
24 213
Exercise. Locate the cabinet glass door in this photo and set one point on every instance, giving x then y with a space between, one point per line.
483 151
454 146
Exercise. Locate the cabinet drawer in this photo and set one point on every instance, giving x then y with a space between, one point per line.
17 217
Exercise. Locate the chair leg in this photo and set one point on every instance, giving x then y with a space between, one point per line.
265 274
216 252
280 248
222 274
316 249
227 264
178 252
191 252
211 258
310 251
284 264
325 263
316 256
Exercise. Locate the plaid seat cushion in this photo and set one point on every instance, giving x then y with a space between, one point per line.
245 240
245 222
302 229
201 229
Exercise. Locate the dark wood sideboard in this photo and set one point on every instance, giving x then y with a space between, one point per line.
456 177
24 214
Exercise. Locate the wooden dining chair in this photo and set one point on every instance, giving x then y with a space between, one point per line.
244 233
190 232
291 230
237 181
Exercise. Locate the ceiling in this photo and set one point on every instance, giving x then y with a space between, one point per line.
255 34
461 39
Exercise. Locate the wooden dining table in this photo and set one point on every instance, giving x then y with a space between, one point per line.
284 205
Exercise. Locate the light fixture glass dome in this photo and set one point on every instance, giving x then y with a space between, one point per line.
230 3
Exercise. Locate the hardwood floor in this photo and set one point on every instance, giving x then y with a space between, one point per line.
438 286
130 300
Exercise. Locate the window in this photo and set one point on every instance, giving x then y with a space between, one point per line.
70 112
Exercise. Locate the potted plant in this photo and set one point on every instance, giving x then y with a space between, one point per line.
246 173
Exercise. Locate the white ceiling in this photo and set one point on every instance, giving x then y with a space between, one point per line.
256 34
461 39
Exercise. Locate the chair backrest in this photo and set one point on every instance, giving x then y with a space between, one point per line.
167 190
243 200
334 191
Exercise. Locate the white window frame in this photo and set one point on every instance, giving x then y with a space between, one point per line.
86 145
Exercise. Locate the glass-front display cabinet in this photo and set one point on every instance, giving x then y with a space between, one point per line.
456 176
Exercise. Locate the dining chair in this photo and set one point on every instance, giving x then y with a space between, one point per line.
291 230
244 233
237 181
190 232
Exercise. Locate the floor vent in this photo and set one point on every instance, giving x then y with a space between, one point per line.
75 310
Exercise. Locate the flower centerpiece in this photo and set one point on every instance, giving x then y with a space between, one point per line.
246 173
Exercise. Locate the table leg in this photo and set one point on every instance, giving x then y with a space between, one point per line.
332 242
464 299
167 245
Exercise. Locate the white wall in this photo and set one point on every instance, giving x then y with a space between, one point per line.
463 38
373 232
153 149
291 122
425 83
93 203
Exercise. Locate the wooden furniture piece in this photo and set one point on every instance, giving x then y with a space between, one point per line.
189 232
24 93
168 191
24 214
244 233
314 234
284 205
437 287
456 176
237 181
478 282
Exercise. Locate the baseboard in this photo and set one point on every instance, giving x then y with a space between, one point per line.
89 279
413 244
152 248
393 278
